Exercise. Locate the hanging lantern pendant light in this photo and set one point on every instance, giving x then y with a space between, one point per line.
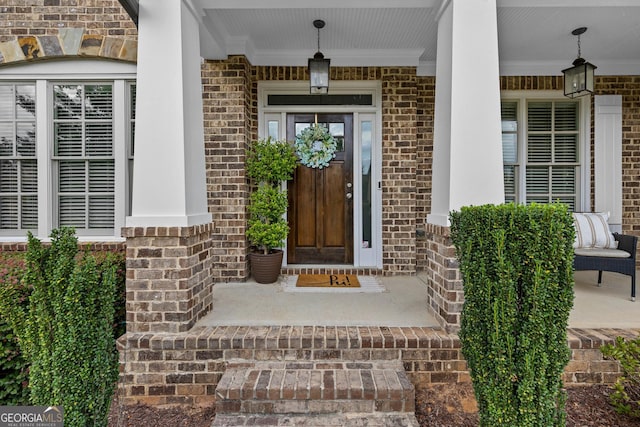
578 80
319 66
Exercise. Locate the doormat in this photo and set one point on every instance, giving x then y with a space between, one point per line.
367 284
327 281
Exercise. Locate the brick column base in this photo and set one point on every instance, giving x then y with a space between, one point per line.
445 294
169 277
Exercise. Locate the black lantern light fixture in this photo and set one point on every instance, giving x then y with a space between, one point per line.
578 80
319 66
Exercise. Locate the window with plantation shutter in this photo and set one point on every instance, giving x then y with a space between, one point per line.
18 164
510 149
548 134
552 152
130 140
66 149
83 155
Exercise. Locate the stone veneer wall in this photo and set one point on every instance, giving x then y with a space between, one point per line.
169 277
68 42
53 28
184 369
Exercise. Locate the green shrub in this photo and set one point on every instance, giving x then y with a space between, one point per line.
626 391
267 228
67 334
268 163
104 260
516 264
271 161
13 367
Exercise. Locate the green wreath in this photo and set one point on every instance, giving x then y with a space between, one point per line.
315 146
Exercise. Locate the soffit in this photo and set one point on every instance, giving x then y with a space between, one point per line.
533 35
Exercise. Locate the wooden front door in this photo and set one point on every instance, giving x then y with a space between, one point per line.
321 200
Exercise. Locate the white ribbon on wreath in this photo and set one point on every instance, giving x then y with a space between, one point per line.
315 146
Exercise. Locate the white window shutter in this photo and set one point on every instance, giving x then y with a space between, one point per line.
84 151
18 164
608 157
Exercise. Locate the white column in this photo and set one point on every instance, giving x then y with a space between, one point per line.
169 183
608 158
467 152
45 192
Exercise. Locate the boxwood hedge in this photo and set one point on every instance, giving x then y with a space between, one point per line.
516 264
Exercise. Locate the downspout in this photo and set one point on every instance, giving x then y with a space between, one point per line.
131 7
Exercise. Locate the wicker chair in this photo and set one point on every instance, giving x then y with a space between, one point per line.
626 266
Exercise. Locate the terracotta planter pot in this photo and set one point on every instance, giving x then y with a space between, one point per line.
266 268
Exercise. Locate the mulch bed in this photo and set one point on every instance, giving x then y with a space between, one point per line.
454 405
450 405
147 416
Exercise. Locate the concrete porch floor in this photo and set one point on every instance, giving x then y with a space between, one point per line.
403 304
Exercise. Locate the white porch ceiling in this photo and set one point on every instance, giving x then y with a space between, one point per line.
534 36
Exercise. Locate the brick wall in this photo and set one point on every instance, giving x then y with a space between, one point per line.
231 122
46 17
227 137
629 88
399 146
424 157
184 369
407 152
227 134
445 295
399 164
169 277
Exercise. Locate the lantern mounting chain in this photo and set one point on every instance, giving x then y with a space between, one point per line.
579 79
319 66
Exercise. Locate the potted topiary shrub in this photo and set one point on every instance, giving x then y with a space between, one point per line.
269 162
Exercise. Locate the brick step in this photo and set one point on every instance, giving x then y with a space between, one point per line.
315 387
318 420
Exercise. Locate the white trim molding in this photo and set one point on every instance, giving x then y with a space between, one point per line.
363 257
608 157
44 75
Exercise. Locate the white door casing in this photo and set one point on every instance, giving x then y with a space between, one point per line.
272 122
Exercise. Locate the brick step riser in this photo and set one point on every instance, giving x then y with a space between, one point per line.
318 420
290 407
301 384
303 387
185 369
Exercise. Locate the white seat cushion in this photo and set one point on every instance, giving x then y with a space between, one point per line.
592 231
600 252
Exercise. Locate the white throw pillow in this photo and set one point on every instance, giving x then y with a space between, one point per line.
592 231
